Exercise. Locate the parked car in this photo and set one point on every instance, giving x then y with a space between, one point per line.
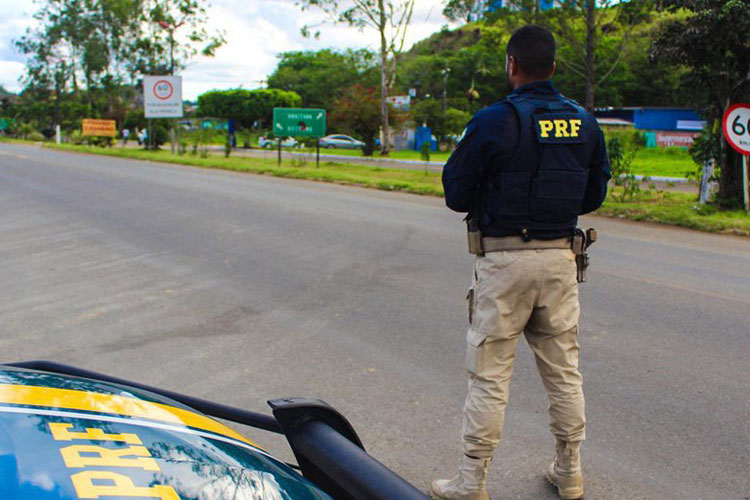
340 141
68 433
272 142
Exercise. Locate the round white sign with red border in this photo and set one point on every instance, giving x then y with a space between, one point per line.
736 125
163 90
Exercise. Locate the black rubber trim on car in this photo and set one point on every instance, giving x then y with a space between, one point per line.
331 454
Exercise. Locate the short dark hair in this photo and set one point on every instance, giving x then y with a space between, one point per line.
533 48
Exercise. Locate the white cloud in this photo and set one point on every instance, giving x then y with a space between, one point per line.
10 72
256 32
15 17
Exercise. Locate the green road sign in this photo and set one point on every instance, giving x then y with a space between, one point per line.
299 122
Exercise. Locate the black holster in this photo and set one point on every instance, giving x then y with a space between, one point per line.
580 242
474 236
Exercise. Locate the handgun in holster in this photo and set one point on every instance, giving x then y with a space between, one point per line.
474 235
581 241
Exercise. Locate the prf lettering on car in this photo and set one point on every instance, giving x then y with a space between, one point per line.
102 483
559 128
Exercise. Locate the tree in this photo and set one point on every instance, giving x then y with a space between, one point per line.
468 10
455 121
391 19
246 106
319 76
442 123
172 33
585 25
356 111
713 43
89 52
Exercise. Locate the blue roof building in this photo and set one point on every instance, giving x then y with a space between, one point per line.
665 119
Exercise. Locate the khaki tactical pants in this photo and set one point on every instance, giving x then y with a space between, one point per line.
532 292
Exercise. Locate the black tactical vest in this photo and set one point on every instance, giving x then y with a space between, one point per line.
538 191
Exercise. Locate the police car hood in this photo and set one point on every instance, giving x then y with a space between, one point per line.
66 438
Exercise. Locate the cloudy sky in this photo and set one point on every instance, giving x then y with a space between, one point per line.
256 31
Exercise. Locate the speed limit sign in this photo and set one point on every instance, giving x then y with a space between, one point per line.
736 125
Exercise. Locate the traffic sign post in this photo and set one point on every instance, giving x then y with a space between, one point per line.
162 98
736 127
299 122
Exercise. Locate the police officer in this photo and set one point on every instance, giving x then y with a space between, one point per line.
525 169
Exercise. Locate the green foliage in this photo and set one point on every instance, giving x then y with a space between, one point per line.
627 73
705 149
170 33
357 111
246 106
656 206
35 136
676 208
425 151
318 77
621 154
77 138
83 55
455 121
201 138
246 135
228 146
390 19
468 10
713 43
430 113
412 181
101 142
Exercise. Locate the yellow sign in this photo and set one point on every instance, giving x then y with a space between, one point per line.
562 128
105 128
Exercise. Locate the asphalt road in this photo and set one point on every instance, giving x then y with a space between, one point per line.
243 288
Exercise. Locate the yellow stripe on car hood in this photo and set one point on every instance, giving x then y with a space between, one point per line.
111 404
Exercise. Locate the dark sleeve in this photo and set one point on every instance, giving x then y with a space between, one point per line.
599 174
488 135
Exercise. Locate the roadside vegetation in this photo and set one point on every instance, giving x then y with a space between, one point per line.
677 208
647 204
611 54
411 181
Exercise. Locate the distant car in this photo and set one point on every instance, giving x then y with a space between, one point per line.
272 142
341 142
69 434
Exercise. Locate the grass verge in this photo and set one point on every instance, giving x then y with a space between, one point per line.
412 181
679 209
668 162
664 207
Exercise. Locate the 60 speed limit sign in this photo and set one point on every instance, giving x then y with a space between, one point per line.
737 127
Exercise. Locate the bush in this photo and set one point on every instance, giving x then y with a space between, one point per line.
103 142
621 154
628 137
35 136
77 138
247 137
228 146
160 136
